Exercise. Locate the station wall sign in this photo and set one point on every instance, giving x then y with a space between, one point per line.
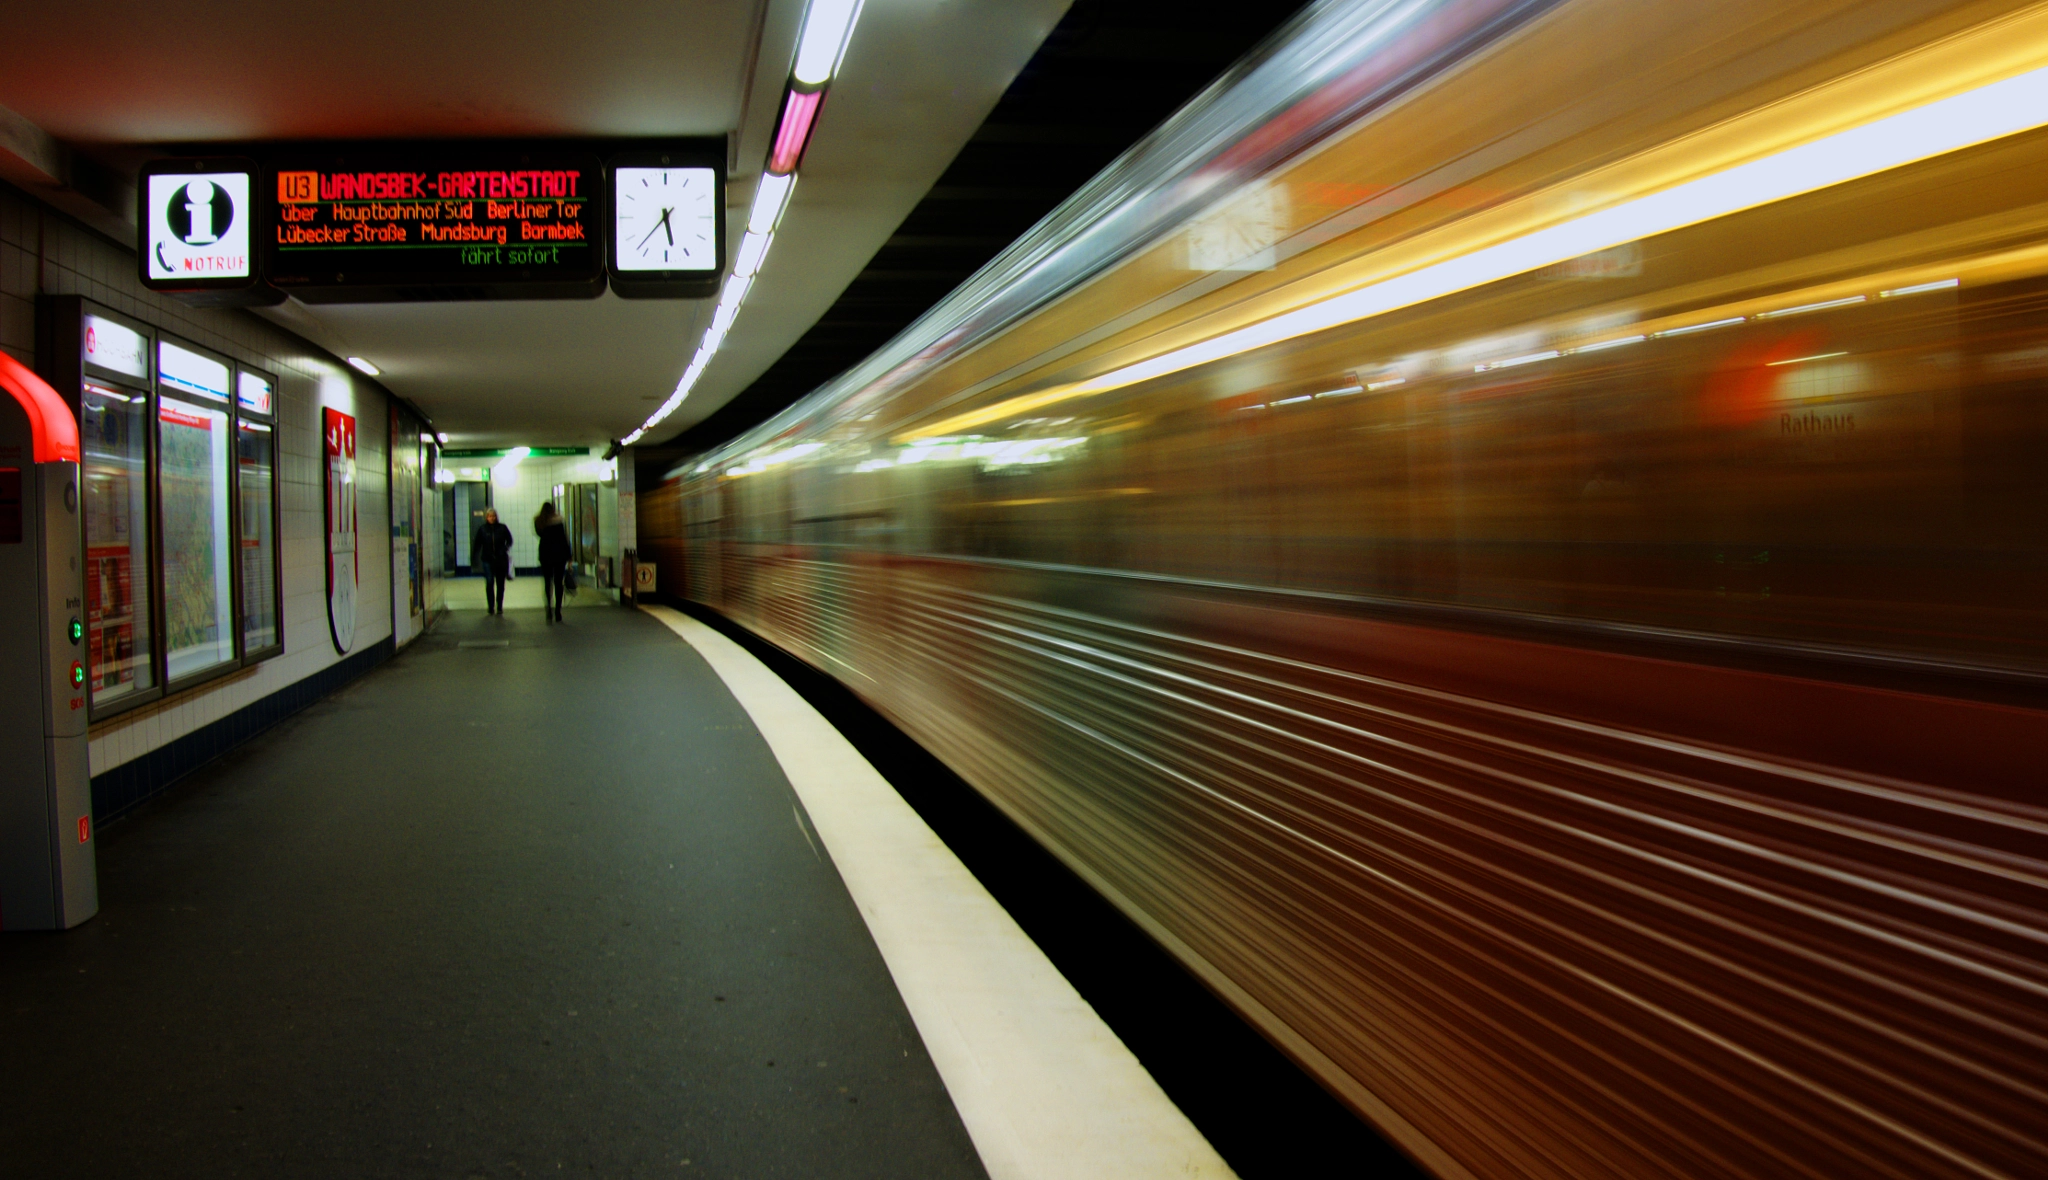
465 223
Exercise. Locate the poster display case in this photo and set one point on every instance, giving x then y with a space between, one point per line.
179 487
195 510
256 501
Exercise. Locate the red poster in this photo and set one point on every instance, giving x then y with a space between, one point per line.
340 431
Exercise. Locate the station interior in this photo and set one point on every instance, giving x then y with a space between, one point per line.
1024 589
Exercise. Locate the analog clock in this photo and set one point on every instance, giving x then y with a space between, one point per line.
664 219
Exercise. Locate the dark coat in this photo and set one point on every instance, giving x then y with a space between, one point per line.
554 546
491 549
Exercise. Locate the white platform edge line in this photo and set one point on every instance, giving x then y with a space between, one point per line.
1045 1089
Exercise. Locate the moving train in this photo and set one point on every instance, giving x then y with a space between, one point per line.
1511 536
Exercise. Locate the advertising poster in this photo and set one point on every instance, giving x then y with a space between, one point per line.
192 456
340 431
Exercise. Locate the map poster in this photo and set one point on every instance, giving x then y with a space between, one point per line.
340 431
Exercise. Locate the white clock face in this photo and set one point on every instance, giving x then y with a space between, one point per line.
665 219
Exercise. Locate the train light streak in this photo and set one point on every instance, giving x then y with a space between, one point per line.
1803 308
1604 345
1689 329
1992 111
1511 362
1920 288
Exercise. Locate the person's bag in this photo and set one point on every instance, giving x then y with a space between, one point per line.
509 568
569 579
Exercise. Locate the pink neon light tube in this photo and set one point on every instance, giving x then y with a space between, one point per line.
798 113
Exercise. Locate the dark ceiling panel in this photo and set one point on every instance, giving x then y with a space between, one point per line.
1109 72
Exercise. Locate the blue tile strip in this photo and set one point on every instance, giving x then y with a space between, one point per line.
129 785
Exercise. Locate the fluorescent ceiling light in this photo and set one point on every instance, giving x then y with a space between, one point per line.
735 292
363 365
502 470
1993 111
753 247
771 196
793 133
827 24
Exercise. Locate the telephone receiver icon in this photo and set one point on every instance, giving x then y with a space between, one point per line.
161 260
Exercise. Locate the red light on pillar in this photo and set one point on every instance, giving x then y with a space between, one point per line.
799 112
84 828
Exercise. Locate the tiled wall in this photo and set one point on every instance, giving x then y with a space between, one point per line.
532 484
42 251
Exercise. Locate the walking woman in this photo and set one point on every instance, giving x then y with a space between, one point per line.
554 558
490 554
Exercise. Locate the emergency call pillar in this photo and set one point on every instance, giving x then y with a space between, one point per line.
47 877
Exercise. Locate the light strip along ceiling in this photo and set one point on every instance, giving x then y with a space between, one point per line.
821 46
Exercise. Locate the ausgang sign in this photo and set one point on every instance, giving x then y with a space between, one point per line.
423 224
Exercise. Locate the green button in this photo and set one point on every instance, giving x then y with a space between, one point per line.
77 674
77 630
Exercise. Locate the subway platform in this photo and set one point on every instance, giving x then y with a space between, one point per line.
597 898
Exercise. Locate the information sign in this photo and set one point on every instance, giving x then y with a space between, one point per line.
198 219
414 224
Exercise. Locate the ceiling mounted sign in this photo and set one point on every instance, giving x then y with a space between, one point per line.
197 235
432 222
425 224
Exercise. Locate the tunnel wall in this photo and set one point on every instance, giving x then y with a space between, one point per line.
44 253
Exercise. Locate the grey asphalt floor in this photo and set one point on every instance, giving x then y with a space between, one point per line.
545 908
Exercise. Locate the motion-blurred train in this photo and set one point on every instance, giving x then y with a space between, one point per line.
1512 537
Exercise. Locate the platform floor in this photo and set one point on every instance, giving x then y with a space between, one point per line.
529 900
522 593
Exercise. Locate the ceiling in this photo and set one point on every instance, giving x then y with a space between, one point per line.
918 78
1109 72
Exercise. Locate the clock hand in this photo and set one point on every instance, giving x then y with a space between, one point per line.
663 223
666 227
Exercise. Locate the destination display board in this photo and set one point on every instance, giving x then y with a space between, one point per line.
418 225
